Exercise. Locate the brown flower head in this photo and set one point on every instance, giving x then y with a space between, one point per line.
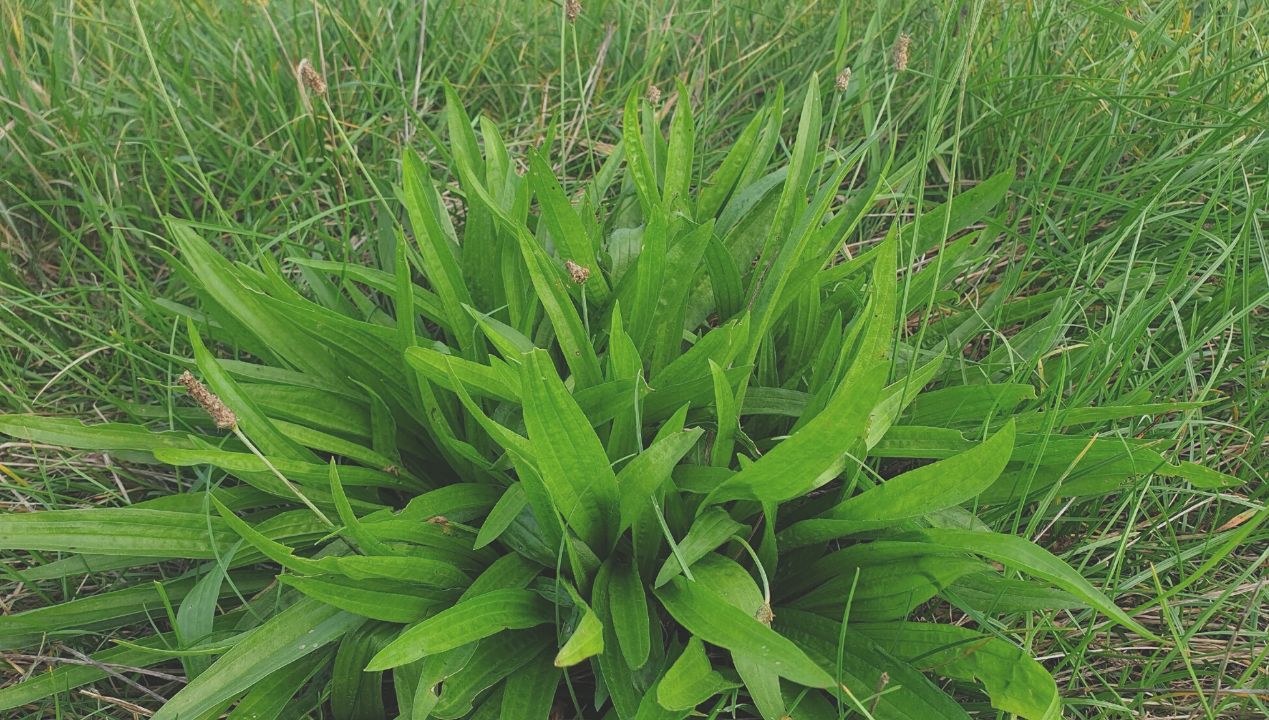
764 614
310 79
843 80
212 405
901 51
580 274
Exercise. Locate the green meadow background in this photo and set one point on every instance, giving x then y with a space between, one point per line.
1137 133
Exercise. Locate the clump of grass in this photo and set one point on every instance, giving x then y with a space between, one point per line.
1130 242
658 452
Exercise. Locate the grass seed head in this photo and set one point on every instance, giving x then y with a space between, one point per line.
654 94
764 614
901 51
212 405
572 8
312 80
843 80
579 273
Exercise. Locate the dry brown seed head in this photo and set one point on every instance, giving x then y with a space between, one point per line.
572 8
578 273
843 80
764 614
901 51
654 94
310 78
212 405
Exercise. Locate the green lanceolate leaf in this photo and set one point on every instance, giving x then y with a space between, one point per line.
570 235
708 616
300 630
587 639
116 531
356 694
259 428
389 601
933 487
496 381
466 622
690 681
572 461
728 419
66 432
649 470
815 454
1025 556
638 164
530 692
272 695
628 608
990 593
314 474
885 580
711 529
722 182
505 512
1015 682
440 255
678 158
918 492
224 285
493 661
115 608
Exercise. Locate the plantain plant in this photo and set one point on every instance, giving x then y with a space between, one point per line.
664 448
